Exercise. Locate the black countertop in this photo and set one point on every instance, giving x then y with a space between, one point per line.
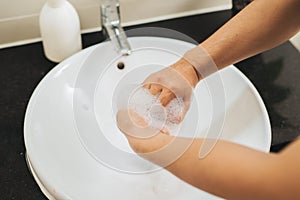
275 74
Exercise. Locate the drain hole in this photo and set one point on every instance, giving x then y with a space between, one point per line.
121 65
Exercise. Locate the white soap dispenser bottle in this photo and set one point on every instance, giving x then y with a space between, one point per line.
60 30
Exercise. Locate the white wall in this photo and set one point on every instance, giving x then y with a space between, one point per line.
19 18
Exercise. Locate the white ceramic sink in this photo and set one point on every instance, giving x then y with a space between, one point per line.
75 149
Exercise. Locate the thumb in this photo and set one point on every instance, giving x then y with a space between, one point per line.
133 125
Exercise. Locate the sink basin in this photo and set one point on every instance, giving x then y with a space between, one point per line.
74 148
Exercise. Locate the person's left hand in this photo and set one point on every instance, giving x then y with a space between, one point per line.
175 81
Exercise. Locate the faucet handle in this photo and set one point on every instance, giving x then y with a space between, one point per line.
110 17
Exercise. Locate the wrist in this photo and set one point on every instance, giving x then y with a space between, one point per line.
201 61
144 146
187 70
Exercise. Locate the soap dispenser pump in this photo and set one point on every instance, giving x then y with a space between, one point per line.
60 30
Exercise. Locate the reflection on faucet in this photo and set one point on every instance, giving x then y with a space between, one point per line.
110 17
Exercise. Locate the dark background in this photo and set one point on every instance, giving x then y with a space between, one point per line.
275 74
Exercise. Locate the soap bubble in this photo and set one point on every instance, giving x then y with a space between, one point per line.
149 107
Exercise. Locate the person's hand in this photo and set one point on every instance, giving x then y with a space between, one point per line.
142 138
155 145
178 80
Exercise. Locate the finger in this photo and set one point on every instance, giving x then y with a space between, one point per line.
147 82
142 141
123 121
166 96
137 120
128 119
155 88
164 130
146 85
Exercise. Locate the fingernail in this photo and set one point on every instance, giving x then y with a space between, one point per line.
165 131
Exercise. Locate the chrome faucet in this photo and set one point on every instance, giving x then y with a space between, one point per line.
111 25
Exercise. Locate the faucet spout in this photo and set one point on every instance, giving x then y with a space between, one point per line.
110 17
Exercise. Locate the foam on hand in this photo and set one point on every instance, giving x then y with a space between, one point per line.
149 107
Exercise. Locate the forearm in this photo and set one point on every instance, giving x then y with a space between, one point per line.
262 25
230 170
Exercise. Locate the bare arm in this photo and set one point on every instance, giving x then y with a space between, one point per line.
236 172
230 170
263 24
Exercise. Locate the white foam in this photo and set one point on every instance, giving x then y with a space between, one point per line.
158 116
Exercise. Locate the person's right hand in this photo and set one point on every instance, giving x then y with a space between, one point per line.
142 138
178 80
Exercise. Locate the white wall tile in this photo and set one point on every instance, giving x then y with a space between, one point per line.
19 18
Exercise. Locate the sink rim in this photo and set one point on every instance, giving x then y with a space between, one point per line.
88 50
